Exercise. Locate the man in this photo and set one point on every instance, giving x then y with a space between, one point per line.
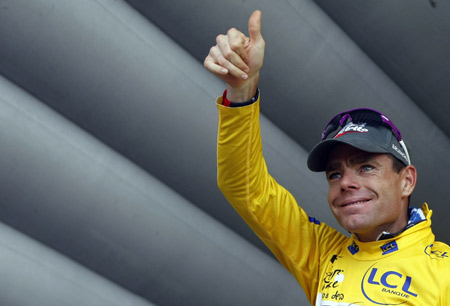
391 257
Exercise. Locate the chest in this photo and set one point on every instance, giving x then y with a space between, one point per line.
393 280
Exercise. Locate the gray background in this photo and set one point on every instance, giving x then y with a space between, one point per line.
108 126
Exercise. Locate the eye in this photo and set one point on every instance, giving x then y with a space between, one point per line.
366 168
333 175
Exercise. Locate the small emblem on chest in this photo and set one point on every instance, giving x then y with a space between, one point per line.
389 247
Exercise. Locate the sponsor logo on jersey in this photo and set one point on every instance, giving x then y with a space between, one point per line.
334 258
389 247
383 286
354 248
333 279
435 254
352 128
314 220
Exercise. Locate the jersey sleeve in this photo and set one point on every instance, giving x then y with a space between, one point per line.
270 210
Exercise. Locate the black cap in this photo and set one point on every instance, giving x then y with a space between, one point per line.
364 129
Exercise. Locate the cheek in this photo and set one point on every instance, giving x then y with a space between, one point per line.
331 195
391 189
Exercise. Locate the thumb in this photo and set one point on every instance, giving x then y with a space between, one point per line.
254 26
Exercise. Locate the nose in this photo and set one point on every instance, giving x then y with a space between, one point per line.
349 181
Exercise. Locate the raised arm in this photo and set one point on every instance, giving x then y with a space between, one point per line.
242 175
237 59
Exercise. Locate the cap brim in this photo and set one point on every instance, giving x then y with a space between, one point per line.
318 157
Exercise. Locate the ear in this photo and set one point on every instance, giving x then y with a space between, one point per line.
409 180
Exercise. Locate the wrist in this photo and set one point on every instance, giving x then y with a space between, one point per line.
245 92
228 103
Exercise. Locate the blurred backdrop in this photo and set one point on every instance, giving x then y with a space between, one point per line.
108 129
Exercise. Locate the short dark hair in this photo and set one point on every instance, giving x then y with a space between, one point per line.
397 165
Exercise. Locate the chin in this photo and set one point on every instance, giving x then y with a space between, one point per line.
353 227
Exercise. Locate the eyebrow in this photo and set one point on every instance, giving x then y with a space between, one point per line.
332 167
355 159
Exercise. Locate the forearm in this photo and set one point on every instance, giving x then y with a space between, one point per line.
242 172
239 152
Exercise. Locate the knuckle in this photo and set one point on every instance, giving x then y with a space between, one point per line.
226 64
206 62
222 61
214 52
228 54
220 38
232 31
235 45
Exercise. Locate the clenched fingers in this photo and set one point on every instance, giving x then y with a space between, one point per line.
235 43
221 64
212 66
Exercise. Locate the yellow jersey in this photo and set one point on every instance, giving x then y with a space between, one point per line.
333 269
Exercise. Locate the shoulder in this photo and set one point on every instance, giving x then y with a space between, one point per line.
439 252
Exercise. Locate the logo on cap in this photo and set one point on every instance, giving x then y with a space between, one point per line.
396 149
352 128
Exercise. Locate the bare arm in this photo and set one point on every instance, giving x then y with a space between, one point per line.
237 59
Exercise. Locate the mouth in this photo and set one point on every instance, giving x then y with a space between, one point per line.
351 203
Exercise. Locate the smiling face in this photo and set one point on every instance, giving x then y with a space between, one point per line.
366 195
